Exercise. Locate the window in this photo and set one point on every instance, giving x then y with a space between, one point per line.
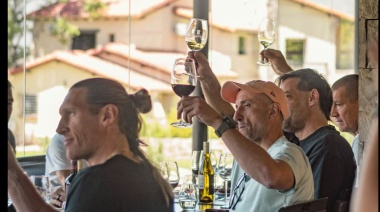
344 47
86 40
112 38
295 52
241 45
30 104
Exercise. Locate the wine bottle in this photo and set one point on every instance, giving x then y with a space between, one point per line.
206 177
69 179
80 165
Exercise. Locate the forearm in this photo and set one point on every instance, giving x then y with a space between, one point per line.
256 161
211 90
23 193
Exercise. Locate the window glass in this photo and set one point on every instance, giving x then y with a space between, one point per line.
136 42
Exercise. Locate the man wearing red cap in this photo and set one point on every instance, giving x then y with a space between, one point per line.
270 172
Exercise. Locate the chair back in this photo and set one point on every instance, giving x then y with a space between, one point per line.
342 204
317 205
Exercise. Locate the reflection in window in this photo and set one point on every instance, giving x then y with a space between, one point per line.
295 49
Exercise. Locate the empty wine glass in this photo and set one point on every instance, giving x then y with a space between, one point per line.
183 81
224 171
266 36
187 196
214 157
197 34
195 163
169 171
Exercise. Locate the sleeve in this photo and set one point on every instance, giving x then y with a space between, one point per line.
292 155
56 155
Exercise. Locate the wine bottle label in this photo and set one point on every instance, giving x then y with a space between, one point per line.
201 181
211 184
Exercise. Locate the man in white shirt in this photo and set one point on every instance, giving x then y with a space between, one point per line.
345 111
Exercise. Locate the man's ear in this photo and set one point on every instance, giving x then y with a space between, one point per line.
109 114
274 109
313 97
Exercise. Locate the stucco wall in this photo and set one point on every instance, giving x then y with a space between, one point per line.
317 28
368 85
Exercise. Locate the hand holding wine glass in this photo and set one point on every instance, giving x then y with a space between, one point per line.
266 36
183 81
197 34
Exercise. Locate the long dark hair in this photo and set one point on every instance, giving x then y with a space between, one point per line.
102 91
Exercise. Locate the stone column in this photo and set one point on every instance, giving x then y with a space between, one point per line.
368 86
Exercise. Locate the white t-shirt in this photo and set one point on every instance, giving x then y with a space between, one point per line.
257 197
56 159
355 149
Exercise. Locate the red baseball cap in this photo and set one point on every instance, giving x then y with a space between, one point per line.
230 90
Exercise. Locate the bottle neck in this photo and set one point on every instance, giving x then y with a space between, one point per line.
74 167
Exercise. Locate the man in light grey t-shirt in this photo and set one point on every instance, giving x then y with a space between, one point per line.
273 172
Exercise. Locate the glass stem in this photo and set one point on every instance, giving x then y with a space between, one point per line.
225 192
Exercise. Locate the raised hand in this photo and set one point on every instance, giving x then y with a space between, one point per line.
277 59
201 64
191 106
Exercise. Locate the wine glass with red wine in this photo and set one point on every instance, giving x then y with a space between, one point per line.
183 81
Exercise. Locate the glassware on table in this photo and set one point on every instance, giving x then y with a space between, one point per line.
183 81
170 173
266 36
214 157
188 196
196 34
196 158
224 171
41 182
173 174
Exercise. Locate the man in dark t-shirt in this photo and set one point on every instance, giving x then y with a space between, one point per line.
331 158
310 100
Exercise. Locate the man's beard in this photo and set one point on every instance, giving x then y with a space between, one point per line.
292 125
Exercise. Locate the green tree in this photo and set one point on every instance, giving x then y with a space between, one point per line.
16 32
61 27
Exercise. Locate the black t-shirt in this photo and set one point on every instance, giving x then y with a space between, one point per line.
117 185
332 162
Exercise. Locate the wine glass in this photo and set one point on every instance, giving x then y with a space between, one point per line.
195 158
224 171
183 81
197 34
266 36
187 196
170 173
214 157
